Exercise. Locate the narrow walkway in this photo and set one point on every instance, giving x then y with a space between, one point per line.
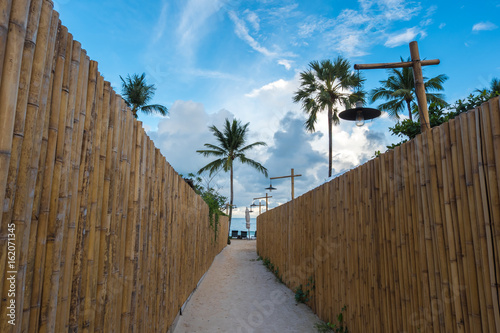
239 294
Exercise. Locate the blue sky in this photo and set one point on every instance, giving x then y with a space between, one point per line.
214 59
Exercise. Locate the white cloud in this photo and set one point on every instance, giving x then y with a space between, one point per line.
403 37
353 32
286 63
276 85
161 24
193 19
481 26
241 31
178 139
253 19
442 25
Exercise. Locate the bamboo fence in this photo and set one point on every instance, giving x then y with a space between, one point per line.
97 230
409 241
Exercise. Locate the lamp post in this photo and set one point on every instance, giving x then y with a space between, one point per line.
227 206
292 176
266 197
416 64
254 205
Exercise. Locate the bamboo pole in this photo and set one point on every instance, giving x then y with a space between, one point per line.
454 296
396 64
67 260
493 174
460 231
89 286
58 186
469 259
105 218
20 112
41 284
420 87
490 201
9 85
59 231
115 124
5 8
467 131
43 121
37 103
17 158
482 211
85 175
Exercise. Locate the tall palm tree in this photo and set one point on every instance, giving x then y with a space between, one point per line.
399 91
231 147
137 93
326 85
495 86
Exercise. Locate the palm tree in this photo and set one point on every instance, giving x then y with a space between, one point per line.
325 85
137 93
231 147
495 86
399 91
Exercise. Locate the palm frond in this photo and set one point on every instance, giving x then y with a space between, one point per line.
149 109
207 153
393 107
213 166
379 93
256 165
214 147
252 145
436 83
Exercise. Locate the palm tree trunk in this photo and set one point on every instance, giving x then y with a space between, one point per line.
330 119
408 104
231 203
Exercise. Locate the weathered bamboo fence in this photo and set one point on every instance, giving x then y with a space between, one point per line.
409 241
97 230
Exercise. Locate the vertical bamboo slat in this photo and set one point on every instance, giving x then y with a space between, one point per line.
11 69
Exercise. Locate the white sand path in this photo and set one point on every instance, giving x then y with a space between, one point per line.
239 294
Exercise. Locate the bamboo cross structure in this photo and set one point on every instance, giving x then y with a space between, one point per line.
292 176
260 205
416 64
266 197
229 205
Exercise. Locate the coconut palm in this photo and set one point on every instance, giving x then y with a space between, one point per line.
137 93
495 86
325 86
231 147
399 91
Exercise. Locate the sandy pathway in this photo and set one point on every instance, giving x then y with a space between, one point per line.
238 294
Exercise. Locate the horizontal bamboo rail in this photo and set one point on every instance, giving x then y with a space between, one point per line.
97 231
409 241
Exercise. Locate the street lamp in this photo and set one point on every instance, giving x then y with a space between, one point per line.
359 114
271 188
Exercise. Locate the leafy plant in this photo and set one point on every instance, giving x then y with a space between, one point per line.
212 198
270 266
302 294
440 113
339 327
